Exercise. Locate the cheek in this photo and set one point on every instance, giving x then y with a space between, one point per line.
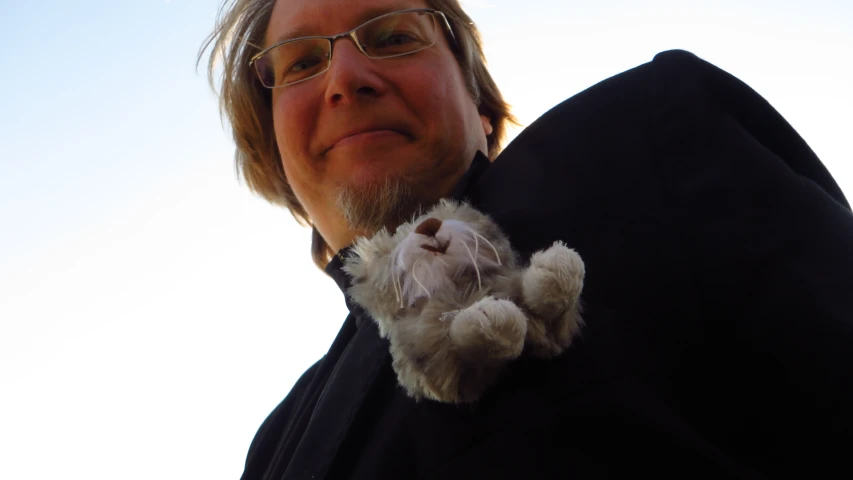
441 99
447 106
294 120
429 84
291 120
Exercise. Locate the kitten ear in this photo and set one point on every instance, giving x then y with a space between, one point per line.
442 210
448 204
367 253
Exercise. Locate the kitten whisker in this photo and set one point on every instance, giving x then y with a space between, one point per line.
497 257
429 269
398 289
476 235
415 277
495 250
474 262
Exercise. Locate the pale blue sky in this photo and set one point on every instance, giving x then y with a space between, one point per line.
101 100
153 312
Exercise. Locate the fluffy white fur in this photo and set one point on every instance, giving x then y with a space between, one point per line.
448 293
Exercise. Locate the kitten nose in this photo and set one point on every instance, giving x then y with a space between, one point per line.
429 227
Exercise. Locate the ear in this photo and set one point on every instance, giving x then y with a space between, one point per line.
487 125
366 253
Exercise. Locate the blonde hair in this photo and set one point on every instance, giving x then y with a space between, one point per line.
238 34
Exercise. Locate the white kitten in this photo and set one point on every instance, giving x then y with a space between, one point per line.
447 292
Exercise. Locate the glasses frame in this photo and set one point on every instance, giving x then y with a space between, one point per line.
351 34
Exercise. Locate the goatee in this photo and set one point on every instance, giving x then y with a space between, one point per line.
385 203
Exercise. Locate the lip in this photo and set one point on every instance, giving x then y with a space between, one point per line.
363 135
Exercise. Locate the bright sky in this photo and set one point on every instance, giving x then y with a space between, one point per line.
153 312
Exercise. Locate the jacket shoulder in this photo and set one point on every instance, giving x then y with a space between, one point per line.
697 96
633 96
678 60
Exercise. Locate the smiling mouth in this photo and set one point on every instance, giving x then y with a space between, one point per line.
366 137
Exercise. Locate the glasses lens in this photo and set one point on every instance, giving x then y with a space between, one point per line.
397 34
293 62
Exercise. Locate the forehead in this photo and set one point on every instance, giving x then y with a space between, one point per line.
300 18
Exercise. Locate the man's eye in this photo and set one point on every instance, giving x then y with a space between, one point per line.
303 64
395 39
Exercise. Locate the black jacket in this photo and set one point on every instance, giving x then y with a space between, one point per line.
718 304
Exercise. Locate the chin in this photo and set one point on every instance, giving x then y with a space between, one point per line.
377 203
386 194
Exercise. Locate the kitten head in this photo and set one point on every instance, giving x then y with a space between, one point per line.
447 252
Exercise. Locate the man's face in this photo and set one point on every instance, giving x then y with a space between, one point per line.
402 129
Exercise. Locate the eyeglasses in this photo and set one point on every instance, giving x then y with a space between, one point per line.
386 36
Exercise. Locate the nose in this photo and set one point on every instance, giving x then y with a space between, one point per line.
351 76
429 227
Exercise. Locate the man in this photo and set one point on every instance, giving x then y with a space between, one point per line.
717 248
436 107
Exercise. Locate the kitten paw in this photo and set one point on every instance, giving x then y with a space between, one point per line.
553 282
489 330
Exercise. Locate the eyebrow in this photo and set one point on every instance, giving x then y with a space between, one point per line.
367 14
